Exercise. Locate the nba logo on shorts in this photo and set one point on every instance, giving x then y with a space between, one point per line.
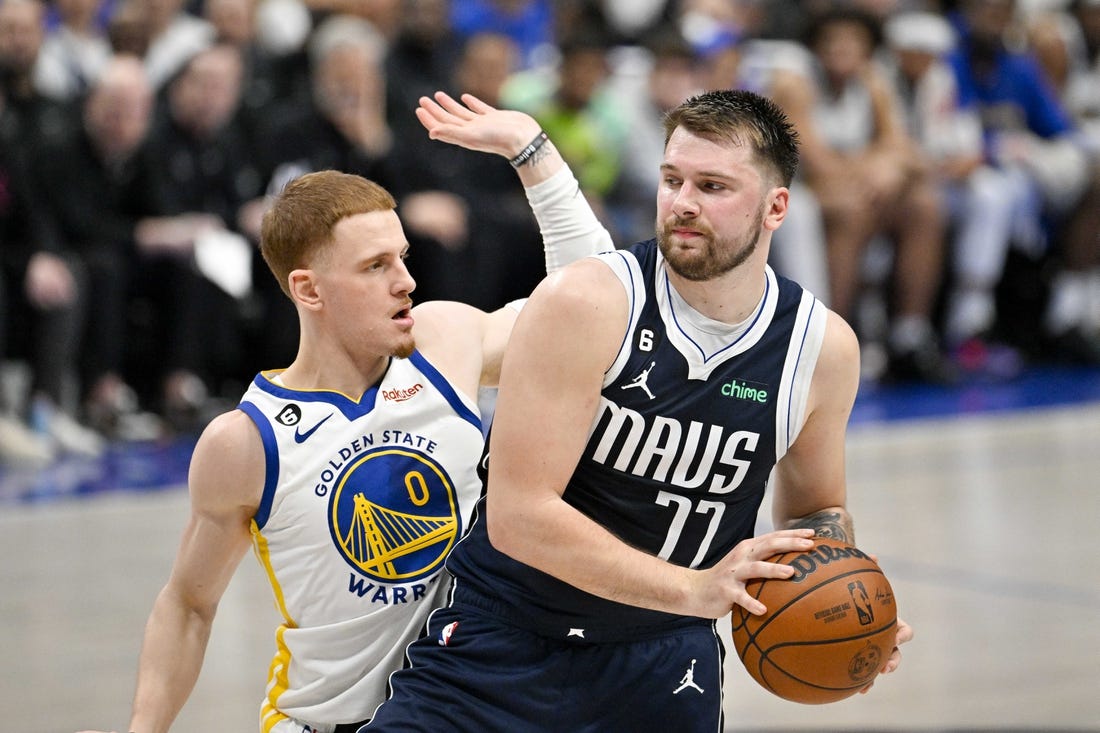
445 634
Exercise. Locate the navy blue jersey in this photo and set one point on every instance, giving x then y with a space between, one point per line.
693 417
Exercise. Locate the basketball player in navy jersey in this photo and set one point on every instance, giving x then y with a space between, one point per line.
352 472
648 398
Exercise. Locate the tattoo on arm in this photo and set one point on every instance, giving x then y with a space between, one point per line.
828 523
541 154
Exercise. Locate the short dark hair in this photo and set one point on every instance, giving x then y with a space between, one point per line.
736 115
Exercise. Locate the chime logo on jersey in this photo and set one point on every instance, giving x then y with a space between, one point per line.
393 514
743 389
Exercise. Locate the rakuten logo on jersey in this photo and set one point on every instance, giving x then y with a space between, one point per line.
400 395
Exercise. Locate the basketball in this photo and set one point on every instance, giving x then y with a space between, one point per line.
828 629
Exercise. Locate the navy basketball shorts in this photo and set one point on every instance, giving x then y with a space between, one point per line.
476 672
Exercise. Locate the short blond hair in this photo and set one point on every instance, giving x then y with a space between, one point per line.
301 220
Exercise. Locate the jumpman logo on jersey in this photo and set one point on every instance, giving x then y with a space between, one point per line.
641 379
688 680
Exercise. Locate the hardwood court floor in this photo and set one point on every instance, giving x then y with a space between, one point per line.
986 524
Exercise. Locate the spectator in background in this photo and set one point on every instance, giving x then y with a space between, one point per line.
1067 44
128 28
648 81
346 128
530 23
631 22
1083 99
574 107
509 258
1081 89
99 200
873 184
31 116
383 15
39 325
269 75
283 27
93 188
421 59
778 69
174 37
42 293
341 125
779 21
983 202
500 257
203 173
19 445
1029 131
74 51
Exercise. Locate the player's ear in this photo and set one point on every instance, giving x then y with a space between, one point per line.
779 200
303 288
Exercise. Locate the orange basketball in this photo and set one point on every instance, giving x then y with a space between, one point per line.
828 629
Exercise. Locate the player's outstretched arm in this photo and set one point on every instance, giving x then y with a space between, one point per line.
570 229
225 483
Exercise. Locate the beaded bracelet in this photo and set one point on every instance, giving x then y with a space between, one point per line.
525 154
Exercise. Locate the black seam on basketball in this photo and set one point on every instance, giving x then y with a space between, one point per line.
764 659
773 614
835 640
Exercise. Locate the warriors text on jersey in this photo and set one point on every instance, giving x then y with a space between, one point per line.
363 499
693 416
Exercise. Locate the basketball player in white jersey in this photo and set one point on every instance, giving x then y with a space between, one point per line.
352 472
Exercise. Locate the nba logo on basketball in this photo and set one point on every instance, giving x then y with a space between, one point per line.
862 602
826 639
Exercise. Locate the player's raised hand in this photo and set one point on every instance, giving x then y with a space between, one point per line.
476 125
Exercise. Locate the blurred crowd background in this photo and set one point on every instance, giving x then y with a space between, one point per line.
947 205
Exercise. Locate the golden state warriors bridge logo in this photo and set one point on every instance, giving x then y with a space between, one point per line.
393 514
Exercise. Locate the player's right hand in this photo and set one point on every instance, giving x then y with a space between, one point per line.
476 125
724 583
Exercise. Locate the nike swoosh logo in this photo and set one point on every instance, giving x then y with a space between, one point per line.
300 437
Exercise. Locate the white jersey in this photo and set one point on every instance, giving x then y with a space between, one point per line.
363 499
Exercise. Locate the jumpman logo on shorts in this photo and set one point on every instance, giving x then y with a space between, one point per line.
688 680
641 379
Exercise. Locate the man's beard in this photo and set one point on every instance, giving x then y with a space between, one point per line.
405 349
718 256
